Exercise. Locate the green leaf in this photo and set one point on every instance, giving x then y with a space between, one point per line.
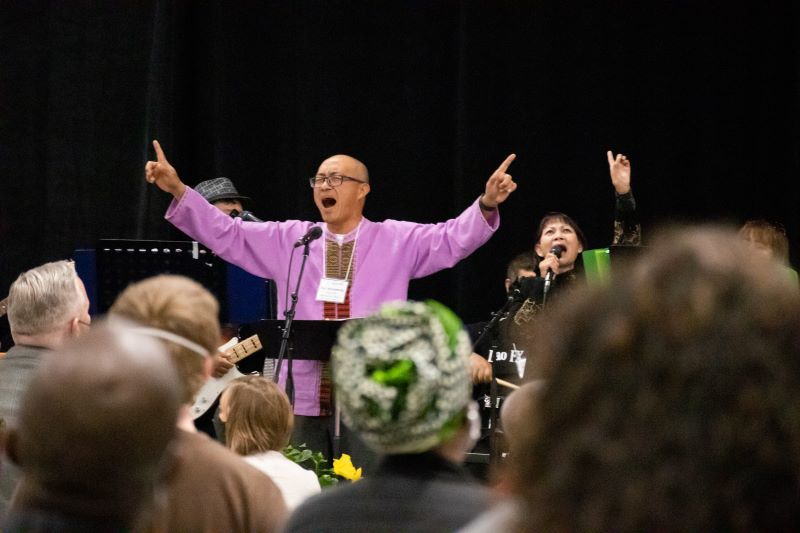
301 454
304 456
327 480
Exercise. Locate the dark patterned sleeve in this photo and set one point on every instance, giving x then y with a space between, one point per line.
627 229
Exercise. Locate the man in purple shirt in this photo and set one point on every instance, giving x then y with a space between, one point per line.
355 267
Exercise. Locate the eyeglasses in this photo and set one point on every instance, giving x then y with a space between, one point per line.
333 181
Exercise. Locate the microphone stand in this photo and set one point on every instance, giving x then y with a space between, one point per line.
287 331
496 317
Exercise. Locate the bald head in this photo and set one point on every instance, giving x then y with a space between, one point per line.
95 424
342 205
348 166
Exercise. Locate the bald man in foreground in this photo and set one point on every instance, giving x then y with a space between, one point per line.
92 434
352 270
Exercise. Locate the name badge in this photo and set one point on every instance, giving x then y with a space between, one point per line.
332 290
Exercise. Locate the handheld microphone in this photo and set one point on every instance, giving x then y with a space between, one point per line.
556 250
313 234
247 216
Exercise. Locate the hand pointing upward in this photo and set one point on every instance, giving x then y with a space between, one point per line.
163 174
500 185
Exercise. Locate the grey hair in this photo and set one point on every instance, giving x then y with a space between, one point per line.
43 297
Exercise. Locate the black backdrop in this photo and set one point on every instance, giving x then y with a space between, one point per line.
431 95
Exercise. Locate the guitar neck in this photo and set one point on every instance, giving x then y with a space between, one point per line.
247 347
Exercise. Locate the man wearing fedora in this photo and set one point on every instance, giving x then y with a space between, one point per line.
221 193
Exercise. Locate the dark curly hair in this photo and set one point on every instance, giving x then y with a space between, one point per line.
672 397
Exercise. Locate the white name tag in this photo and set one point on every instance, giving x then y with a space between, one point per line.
332 290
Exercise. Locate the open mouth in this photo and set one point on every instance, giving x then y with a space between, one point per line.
328 202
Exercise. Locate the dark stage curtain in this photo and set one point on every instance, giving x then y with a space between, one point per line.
431 95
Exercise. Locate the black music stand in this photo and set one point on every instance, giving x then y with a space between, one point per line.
311 340
121 262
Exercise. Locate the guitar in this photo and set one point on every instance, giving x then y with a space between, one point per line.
206 397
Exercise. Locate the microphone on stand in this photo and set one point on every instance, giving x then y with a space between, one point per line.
313 234
522 289
556 250
247 216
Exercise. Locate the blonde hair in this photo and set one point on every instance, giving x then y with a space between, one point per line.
43 297
260 417
182 306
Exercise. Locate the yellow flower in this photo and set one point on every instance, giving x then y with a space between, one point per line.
343 467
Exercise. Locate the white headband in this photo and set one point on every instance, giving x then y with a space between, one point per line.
172 337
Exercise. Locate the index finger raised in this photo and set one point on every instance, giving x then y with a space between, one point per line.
505 164
159 152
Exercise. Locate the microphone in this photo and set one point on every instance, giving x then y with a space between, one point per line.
313 234
556 250
247 216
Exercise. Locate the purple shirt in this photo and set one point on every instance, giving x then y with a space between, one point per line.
388 256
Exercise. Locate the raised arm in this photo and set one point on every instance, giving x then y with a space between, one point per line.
627 230
432 247
620 170
261 249
164 175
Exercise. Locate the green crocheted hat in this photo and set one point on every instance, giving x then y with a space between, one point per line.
401 375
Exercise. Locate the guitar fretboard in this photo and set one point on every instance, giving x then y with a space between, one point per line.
244 348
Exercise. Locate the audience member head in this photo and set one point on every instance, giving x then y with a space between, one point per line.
671 397
402 381
341 205
257 416
48 305
517 410
221 193
523 265
94 426
766 238
560 229
180 306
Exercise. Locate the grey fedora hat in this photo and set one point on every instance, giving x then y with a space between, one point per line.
218 189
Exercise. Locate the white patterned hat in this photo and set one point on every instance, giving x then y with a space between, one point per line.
401 376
